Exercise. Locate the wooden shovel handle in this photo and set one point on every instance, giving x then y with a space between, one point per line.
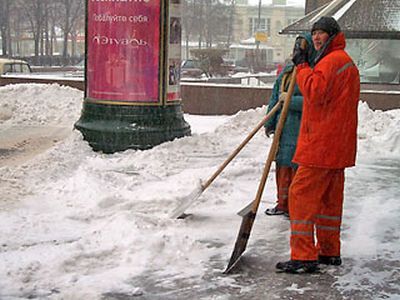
275 142
240 147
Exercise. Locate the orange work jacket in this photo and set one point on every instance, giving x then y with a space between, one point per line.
328 131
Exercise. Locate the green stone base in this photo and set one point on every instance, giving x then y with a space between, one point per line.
112 128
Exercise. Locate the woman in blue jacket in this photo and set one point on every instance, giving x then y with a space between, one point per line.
285 169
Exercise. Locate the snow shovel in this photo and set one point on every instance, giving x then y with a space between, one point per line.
192 197
249 212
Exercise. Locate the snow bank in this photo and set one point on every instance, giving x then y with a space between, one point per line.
38 104
102 220
378 131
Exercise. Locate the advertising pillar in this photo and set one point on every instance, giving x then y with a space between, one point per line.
133 53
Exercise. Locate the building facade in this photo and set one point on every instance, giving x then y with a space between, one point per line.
269 19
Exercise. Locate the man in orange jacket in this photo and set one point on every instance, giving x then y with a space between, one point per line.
326 146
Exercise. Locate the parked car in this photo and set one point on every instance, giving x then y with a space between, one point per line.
191 68
229 65
8 66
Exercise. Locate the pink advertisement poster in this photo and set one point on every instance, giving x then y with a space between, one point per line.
123 50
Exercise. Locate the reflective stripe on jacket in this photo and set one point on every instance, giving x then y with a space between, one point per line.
328 132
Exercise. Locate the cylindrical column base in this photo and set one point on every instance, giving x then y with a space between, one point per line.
112 128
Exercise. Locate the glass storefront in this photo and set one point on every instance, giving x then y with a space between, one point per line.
377 60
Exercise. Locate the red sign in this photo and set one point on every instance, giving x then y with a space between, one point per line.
123 50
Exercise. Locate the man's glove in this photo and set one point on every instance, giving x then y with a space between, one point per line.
299 54
269 131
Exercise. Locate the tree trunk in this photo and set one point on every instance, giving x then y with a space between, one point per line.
200 24
67 29
47 35
230 23
53 39
187 38
4 39
73 44
65 48
9 42
5 8
41 42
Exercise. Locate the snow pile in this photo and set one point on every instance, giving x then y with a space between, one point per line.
39 104
378 131
97 221
103 223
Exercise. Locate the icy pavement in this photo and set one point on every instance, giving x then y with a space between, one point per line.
369 271
19 143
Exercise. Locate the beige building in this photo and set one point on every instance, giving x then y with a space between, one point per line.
273 18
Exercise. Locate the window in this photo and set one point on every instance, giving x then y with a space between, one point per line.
253 25
268 27
265 25
377 60
7 68
25 68
16 67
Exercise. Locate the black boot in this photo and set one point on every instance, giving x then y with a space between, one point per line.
330 260
274 211
298 266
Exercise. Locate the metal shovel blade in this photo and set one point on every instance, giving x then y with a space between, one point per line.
179 211
241 240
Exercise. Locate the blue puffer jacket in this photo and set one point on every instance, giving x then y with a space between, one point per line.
290 132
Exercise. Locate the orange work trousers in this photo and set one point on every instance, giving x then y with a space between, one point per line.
284 178
316 204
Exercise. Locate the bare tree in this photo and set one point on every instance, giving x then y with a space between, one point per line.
41 20
5 30
209 21
18 28
53 19
230 22
34 12
72 13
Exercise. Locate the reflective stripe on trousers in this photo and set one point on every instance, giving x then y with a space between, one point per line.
316 202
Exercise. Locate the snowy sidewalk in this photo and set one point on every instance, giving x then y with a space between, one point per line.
19 144
76 224
371 268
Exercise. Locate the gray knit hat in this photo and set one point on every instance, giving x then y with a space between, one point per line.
327 24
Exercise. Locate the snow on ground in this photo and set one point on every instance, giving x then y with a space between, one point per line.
80 225
35 104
